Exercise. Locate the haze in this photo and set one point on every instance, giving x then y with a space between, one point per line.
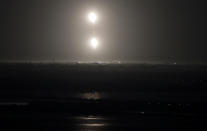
128 30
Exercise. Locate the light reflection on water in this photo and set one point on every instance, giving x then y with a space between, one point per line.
93 125
91 96
90 118
91 122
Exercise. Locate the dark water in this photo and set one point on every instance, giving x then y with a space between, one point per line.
103 97
51 121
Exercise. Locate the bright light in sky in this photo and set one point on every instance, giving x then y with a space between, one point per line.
92 17
94 43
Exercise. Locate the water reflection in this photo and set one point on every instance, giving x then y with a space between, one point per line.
93 125
91 122
90 118
91 96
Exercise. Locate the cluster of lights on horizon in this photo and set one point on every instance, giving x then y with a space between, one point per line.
94 41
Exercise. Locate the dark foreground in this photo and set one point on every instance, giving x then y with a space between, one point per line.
103 97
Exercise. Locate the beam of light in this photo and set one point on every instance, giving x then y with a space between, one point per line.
92 17
94 43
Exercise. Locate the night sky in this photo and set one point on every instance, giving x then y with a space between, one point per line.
128 30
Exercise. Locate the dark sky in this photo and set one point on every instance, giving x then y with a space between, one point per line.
128 30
